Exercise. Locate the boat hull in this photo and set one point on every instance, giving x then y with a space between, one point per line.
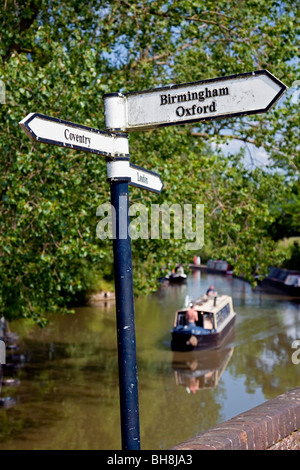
277 287
177 279
194 342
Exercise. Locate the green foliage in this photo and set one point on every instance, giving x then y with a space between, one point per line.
293 261
59 58
287 215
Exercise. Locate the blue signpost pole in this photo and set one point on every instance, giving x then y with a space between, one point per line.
128 385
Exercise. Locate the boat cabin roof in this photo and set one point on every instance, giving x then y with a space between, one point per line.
214 310
210 304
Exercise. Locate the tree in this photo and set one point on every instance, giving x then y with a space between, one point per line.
59 58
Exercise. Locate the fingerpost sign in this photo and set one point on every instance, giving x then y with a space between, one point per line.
218 98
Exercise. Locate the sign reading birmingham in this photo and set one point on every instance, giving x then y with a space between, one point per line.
235 95
198 96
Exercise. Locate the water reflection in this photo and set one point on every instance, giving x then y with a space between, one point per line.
68 395
198 370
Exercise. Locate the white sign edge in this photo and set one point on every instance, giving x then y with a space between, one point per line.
114 113
119 169
24 124
140 185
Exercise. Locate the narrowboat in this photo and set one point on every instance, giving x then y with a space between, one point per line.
218 267
177 278
216 317
282 281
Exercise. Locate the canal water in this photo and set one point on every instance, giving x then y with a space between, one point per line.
68 395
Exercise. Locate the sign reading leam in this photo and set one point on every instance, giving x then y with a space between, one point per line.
120 168
235 95
49 130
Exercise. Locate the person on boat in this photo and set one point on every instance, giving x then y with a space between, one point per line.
179 269
211 291
191 315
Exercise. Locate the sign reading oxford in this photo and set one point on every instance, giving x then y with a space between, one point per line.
235 95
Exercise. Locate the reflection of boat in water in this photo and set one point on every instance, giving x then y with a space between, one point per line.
7 401
216 317
10 342
198 370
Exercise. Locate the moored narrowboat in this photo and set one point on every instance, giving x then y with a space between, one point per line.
177 278
282 281
216 317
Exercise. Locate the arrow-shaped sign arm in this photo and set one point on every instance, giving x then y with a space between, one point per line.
26 128
49 130
214 98
121 169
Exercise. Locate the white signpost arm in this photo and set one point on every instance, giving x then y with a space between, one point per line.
216 98
49 130
119 168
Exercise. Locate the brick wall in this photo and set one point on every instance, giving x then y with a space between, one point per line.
274 425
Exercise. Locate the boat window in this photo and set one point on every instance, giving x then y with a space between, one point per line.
200 320
208 321
205 319
292 280
223 314
181 318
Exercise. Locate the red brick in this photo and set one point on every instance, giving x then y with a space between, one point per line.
258 429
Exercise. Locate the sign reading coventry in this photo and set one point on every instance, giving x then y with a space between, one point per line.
55 131
235 95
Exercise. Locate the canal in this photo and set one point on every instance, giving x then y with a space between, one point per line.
68 396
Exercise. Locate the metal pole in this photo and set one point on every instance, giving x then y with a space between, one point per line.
129 406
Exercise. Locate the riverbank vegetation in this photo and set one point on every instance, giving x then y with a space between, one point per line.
59 58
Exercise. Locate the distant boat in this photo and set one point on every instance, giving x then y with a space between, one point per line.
219 267
282 281
176 277
216 317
